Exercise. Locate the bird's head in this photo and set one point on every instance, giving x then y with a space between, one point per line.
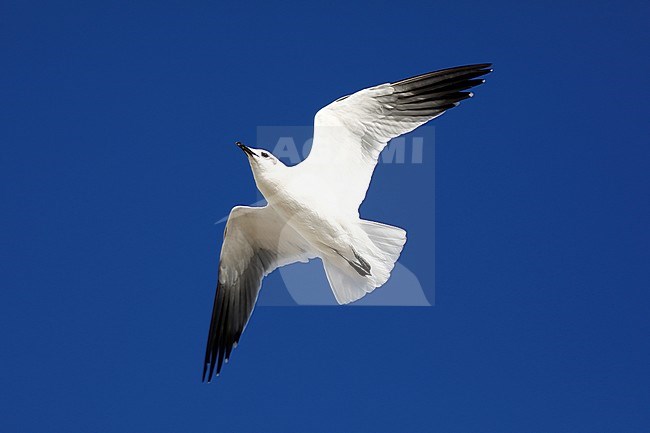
267 169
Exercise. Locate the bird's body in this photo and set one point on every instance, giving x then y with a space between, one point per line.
313 208
312 211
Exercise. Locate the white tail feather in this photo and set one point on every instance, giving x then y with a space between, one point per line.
386 243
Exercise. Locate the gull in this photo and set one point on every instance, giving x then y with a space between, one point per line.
312 208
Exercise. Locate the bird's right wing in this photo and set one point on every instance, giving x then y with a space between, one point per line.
350 132
256 242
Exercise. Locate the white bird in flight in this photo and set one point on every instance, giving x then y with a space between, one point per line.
313 208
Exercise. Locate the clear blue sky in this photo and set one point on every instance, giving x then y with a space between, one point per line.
117 158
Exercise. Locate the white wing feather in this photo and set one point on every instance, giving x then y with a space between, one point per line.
350 133
256 242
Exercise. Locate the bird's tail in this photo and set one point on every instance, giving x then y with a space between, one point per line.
372 264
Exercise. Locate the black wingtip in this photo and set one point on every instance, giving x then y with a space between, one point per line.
432 93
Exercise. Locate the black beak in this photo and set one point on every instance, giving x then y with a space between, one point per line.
246 150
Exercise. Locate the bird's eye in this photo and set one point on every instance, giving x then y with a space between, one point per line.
265 155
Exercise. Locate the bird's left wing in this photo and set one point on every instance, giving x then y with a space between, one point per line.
256 242
350 132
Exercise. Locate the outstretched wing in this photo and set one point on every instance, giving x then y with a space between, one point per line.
350 133
256 242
